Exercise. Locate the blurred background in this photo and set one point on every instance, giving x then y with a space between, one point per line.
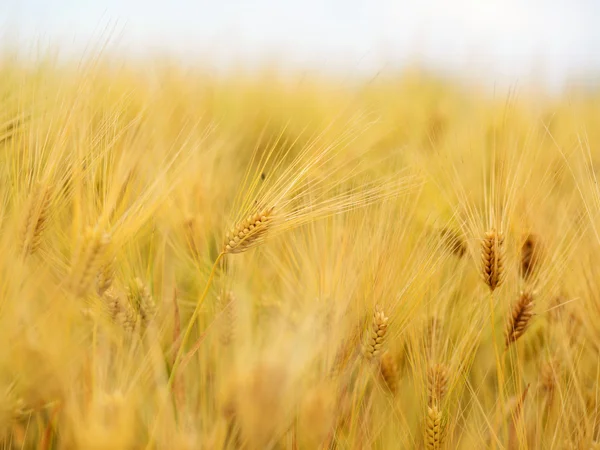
493 41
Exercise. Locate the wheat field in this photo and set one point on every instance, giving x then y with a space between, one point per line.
251 260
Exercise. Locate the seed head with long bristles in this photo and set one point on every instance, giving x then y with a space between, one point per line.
453 242
376 336
87 258
389 371
492 259
228 307
519 318
434 428
105 277
530 255
437 383
36 219
249 232
140 296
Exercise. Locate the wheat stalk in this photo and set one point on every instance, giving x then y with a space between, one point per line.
492 258
519 318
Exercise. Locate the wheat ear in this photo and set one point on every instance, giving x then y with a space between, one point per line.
36 219
437 384
249 232
87 259
492 258
105 277
140 296
530 255
434 429
227 304
389 371
453 242
376 336
519 318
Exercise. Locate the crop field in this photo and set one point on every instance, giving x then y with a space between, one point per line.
253 260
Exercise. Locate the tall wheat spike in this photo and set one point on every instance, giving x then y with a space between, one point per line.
437 383
530 255
548 379
36 219
105 277
453 242
376 336
140 296
492 258
87 259
519 318
434 428
389 371
228 307
249 232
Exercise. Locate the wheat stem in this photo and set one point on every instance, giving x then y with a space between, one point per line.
499 368
192 320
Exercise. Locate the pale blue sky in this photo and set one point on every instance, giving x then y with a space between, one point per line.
501 39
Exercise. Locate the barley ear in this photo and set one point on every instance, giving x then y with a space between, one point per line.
437 384
249 232
376 336
389 371
104 278
519 318
530 256
36 219
492 259
87 258
228 306
434 429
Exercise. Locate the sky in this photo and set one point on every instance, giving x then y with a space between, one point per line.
495 39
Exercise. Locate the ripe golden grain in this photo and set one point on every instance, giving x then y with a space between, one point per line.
389 371
376 337
453 242
530 256
492 258
228 306
139 295
105 277
36 218
87 259
249 232
433 428
519 318
437 383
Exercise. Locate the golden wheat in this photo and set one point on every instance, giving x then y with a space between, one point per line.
376 336
434 431
91 250
492 258
389 371
249 232
519 318
36 218
437 383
